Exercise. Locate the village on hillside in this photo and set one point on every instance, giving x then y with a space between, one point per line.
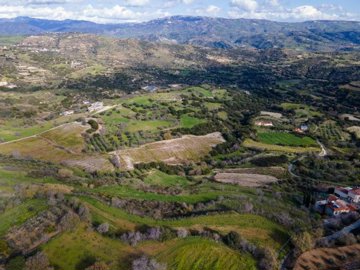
343 200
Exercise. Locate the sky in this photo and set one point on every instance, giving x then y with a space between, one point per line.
120 11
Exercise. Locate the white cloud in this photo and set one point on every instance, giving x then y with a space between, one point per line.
37 2
211 10
113 14
58 13
248 5
137 2
309 12
273 3
187 2
300 13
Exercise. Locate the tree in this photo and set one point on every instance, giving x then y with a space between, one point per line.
65 173
302 242
103 228
144 263
37 262
98 266
268 259
94 125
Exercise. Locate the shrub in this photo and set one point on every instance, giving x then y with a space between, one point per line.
94 125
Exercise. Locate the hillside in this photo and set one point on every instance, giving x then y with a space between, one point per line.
210 32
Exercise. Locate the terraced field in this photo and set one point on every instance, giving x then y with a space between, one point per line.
331 131
82 245
61 144
301 111
156 177
256 229
197 253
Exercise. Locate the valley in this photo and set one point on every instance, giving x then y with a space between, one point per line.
175 156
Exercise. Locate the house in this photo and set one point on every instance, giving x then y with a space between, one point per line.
66 113
354 195
96 106
298 130
264 124
304 127
336 206
342 192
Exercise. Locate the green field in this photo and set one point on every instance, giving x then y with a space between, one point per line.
285 139
278 148
68 250
331 131
134 126
301 110
159 178
130 192
199 91
199 253
187 121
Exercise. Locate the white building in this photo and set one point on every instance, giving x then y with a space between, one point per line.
354 195
342 192
96 106
264 124
66 113
8 85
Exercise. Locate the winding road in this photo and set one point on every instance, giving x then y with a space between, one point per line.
323 153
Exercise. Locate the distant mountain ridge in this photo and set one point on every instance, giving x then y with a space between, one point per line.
209 32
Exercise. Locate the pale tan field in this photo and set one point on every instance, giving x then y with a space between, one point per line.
175 151
355 130
63 144
326 258
245 179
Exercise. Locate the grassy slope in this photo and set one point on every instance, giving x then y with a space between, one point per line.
187 121
70 248
129 192
159 178
150 125
198 253
255 228
19 214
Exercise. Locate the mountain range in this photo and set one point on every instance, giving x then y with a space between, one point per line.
209 32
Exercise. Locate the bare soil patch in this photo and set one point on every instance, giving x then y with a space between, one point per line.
271 114
245 179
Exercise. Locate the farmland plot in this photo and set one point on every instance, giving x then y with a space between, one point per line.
173 151
245 179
